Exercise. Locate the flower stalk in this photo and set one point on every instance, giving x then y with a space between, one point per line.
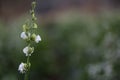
29 36
27 73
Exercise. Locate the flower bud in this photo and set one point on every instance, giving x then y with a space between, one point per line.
35 25
25 28
33 37
31 12
33 15
33 4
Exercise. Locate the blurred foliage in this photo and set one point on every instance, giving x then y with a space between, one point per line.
74 47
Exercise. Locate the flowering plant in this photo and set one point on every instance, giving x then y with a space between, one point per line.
29 36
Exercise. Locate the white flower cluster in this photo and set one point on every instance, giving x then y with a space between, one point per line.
29 36
28 50
26 36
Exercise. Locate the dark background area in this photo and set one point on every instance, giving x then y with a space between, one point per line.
80 39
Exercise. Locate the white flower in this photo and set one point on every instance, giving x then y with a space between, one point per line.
23 35
28 51
22 68
37 38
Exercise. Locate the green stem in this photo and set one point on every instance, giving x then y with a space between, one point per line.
26 76
28 64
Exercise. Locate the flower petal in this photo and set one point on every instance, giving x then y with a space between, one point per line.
23 35
37 39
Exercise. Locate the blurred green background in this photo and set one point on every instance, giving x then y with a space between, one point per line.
79 41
